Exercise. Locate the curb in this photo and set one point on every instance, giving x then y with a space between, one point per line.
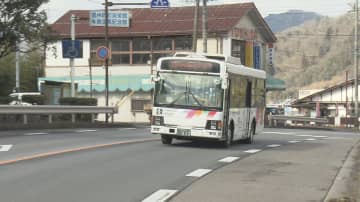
339 189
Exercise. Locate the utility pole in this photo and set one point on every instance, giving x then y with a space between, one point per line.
195 28
106 60
204 26
356 62
90 75
107 4
72 69
17 67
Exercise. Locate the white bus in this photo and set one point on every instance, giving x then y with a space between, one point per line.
197 97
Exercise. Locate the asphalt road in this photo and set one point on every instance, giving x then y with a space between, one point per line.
129 164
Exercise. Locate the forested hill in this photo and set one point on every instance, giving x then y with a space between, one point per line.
315 54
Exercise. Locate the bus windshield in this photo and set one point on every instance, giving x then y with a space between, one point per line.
188 91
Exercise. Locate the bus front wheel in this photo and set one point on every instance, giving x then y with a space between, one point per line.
166 139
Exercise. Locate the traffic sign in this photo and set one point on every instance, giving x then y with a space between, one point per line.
102 52
72 49
160 4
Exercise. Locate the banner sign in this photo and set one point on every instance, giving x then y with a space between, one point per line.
115 18
257 56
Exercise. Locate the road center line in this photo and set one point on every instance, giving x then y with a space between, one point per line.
252 151
310 139
199 173
160 195
229 159
48 154
279 133
84 131
294 141
30 134
274 145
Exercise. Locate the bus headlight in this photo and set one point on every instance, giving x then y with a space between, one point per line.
214 125
157 120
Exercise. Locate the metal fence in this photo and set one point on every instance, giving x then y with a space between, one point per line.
51 110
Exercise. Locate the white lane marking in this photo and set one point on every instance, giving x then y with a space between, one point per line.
280 133
305 135
29 134
294 141
310 139
84 131
339 138
320 136
199 173
252 151
5 147
274 145
127 128
229 159
160 195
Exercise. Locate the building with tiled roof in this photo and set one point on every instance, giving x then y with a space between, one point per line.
233 29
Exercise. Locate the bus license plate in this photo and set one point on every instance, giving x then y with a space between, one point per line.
185 132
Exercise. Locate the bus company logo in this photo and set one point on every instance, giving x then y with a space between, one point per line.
193 113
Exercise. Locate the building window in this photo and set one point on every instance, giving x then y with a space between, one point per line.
139 105
120 51
238 49
141 44
183 43
162 44
141 58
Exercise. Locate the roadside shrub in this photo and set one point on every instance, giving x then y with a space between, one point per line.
78 101
4 100
34 99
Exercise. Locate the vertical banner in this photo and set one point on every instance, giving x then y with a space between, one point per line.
257 55
249 54
271 54
317 109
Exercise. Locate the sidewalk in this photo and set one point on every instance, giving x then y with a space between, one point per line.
291 174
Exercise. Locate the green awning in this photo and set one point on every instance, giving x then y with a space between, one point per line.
273 84
116 83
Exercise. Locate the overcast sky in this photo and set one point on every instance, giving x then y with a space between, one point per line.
332 8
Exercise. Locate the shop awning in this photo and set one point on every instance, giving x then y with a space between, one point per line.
116 83
273 84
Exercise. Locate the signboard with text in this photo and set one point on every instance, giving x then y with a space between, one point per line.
115 18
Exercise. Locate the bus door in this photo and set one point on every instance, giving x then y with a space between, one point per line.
248 105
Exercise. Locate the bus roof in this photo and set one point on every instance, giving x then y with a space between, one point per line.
231 64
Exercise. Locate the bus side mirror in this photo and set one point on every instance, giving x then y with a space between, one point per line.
224 84
155 78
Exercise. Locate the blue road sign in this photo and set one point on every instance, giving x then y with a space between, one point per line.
102 52
72 49
160 4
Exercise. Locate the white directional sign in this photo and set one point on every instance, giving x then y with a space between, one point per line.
5 147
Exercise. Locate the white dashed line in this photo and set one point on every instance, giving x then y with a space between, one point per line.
305 135
274 145
252 151
310 139
198 173
229 159
320 136
339 138
160 195
30 134
84 131
294 141
127 128
280 133
5 147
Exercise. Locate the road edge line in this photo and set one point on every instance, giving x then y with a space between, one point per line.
65 151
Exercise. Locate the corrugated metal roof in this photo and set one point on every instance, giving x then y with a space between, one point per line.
160 22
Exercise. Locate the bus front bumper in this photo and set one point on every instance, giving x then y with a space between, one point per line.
187 132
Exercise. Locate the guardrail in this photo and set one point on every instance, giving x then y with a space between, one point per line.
57 109
274 118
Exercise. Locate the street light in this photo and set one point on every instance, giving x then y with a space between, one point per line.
107 4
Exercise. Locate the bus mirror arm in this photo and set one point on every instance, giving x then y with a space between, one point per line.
224 82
